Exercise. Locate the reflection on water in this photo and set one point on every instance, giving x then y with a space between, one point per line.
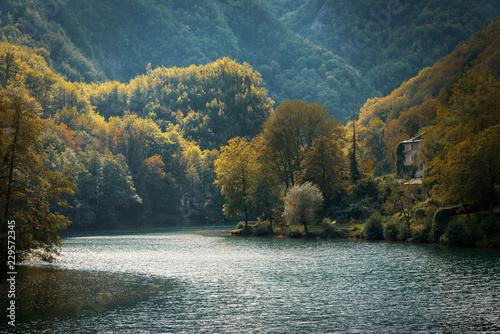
181 281
46 292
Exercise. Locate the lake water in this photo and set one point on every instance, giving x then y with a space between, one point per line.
177 280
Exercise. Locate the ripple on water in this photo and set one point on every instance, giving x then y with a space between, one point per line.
261 285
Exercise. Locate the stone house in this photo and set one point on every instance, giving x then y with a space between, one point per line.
407 152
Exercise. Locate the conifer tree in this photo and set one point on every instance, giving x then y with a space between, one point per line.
353 162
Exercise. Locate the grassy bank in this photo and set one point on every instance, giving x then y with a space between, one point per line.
444 227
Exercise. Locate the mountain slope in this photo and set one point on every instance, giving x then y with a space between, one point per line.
97 39
459 86
388 41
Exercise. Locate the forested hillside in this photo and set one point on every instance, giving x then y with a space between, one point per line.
207 134
464 83
453 104
121 168
94 40
387 41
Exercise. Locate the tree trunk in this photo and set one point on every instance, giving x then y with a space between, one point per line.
12 164
269 214
246 218
305 226
465 209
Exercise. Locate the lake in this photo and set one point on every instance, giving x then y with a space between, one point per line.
181 280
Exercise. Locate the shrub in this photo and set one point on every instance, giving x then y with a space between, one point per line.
460 233
422 234
240 229
262 229
391 229
490 227
293 232
439 222
302 203
373 228
328 230
403 233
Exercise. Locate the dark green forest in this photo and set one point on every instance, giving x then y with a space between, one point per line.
388 42
99 40
143 113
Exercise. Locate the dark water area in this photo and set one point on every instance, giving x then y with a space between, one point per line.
196 280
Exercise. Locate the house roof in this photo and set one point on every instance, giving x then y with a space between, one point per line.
413 181
414 139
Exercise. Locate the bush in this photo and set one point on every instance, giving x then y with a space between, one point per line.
422 235
391 229
490 227
328 230
240 229
439 222
373 228
460 233
403 233
262 228
293 232
302 203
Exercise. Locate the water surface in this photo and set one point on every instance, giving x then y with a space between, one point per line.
175 280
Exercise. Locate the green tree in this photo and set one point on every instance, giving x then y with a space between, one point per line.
105 189
373 229
302 203
323 163
353 159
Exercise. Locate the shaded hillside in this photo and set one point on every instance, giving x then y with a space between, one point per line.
387 41
96 39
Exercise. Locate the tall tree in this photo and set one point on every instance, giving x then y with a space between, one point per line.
293 130
353 161
235 169
30 193
266 190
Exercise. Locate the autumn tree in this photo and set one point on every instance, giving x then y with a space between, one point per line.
235 169
462 150
402 200
31 194
266 190
297 135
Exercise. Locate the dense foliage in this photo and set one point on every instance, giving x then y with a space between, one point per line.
387 41
31 195
155 150
413 107
126 169
94 40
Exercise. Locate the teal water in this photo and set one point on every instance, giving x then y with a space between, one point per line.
175 280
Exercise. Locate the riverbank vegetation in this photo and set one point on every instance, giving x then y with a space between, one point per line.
191 144
455 103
